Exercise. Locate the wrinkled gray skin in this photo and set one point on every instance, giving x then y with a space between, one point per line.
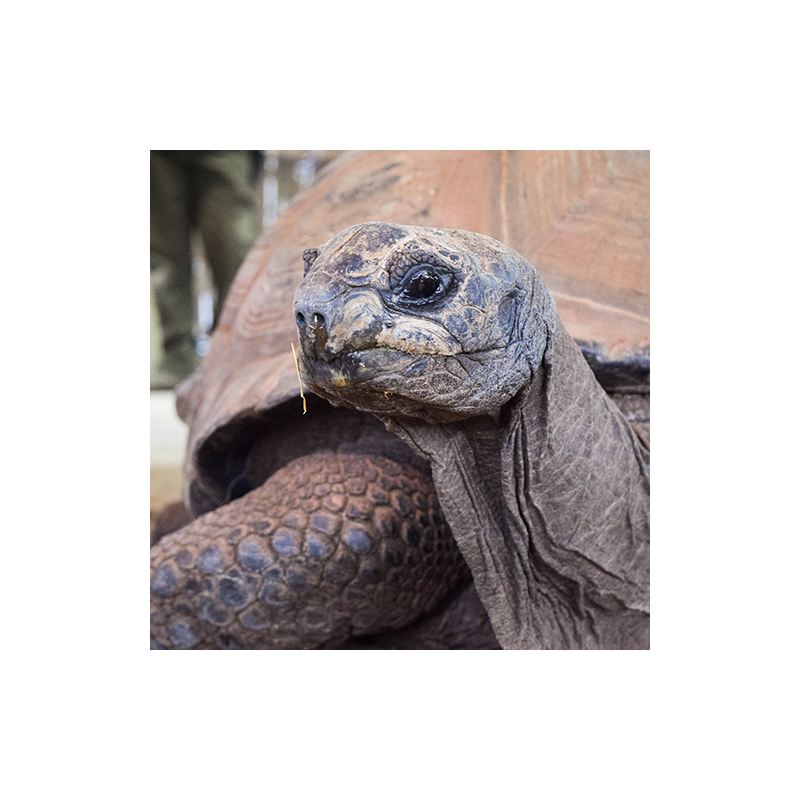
453 341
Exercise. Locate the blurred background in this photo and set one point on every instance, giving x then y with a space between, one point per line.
280 175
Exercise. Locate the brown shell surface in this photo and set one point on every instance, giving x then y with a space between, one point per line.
581 217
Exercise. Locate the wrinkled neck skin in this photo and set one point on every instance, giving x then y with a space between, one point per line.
549 503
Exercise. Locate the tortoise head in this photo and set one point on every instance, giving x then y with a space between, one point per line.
422 322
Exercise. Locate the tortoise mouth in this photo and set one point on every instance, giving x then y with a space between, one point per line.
392 383
379 368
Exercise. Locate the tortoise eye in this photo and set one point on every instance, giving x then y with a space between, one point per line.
423 284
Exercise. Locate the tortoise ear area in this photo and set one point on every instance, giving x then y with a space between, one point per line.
309 257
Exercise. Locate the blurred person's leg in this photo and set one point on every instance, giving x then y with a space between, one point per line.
171 265
227 214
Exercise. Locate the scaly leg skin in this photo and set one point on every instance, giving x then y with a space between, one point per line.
330 547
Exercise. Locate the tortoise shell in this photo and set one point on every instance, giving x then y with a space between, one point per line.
581 217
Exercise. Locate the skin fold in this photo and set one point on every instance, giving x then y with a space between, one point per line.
453 341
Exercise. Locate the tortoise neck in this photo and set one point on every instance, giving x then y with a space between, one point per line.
550 507
585 478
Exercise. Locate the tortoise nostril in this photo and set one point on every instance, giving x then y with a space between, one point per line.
312 328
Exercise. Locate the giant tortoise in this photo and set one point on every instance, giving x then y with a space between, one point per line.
452 382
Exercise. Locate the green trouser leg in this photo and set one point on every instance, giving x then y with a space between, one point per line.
226 213
171 261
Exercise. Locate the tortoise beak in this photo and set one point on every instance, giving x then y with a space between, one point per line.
334 319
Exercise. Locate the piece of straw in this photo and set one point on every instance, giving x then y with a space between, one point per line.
297 367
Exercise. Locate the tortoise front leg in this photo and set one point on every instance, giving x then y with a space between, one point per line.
330 547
